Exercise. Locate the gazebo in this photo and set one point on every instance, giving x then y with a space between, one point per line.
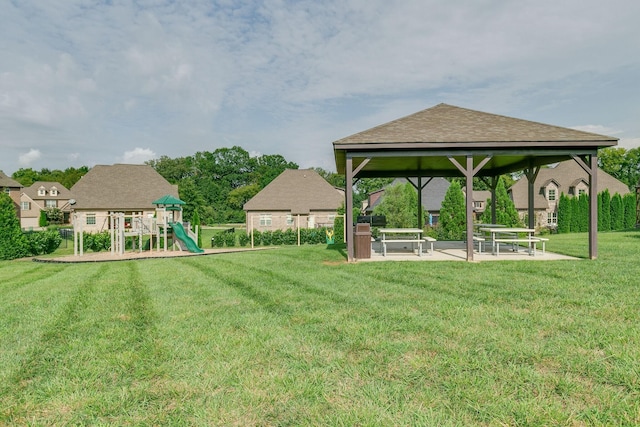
449 141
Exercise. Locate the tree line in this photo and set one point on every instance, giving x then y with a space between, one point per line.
614 212
215 184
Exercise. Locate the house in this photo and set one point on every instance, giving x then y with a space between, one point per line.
480 198
432 196
296 198
40 196
130 189
12 188
566 177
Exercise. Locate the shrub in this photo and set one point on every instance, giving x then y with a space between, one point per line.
277 237
267 237
452 224
13 243
101 241
243 239
218 240
338 230
42 242
629 201
257 238
290 237
230 239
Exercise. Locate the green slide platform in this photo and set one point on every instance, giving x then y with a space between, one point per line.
180 234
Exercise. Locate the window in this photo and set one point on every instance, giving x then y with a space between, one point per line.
25 206
551 194
477 205
42 191
552 218
50 204
91 219
7 190
289 219
265 220
53 191
582 191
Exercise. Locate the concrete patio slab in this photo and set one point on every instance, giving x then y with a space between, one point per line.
456 251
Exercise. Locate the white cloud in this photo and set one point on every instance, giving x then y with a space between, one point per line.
138 155
291 77
29 157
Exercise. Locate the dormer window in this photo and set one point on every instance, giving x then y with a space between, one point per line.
42 191
53 191
551 194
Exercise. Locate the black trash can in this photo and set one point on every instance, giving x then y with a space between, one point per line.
363 241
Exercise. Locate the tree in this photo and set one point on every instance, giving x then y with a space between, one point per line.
13 243
239 196
173 170
68 177
452 223
605 213
617 212
564 214
195 221
621 164
42 220
338 181
506 212
583 213
575 215
629 201
400 206
54 215
191 196
266 168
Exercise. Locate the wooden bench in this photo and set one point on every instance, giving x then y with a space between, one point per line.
514 241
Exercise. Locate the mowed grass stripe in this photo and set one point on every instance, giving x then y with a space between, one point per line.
27 313
44 361
27 276
347 336
100 356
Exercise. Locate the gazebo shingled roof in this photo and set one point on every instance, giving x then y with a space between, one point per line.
451 141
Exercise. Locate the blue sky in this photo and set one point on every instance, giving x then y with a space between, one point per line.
101 82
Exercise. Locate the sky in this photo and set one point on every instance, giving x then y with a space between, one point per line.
86 82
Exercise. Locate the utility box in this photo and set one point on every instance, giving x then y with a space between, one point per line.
363 241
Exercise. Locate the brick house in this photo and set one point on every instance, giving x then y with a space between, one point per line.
296 198
566 177
13 188
130 189
39 196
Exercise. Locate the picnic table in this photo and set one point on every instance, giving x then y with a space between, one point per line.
479 236
405 235
511 236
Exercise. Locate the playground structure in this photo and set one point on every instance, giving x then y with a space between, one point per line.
163 225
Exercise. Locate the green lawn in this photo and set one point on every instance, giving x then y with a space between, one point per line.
296 336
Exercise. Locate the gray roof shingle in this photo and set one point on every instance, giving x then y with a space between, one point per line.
566 174
445 123
5 181
32 190
298 191
121 187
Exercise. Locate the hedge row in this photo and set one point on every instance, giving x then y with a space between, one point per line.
310 236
